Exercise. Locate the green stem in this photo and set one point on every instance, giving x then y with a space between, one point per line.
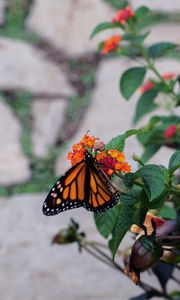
151 66
103 257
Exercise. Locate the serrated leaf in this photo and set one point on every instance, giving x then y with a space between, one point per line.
105 222
117 142
103 26
131 80
123 223
160 49
153 178
145 104
174 162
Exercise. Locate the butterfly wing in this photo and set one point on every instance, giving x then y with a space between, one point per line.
103 195
83 185
68 192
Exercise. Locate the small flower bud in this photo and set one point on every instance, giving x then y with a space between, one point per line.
64 236
145 252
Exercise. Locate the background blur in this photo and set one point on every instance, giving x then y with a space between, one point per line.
54 86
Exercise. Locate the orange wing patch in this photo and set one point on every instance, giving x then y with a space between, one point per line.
99 194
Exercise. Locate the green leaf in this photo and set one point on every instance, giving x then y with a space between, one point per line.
135 39
167 213
153 178
123 223
143 17
160 49
174 162
142 12
149 151
117 142
105 222
103 26
139 214
131 80
145 104
128 179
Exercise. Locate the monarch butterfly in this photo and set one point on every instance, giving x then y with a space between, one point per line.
84 185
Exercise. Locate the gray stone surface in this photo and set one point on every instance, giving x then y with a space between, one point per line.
33 269
168 5
24 67
14 165
70 23
47 117
3 5
164 33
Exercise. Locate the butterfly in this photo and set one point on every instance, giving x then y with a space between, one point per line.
84 185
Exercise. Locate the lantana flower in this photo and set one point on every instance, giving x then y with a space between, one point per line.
111 44
149 84
123 15
111 161
170 131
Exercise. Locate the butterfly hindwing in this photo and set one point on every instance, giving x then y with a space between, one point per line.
103 195
83 185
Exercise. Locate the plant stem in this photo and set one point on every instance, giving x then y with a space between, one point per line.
103 257
174 190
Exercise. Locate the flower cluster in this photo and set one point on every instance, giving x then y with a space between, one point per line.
170 131
111 161
111 44
77 153
123 15
149 84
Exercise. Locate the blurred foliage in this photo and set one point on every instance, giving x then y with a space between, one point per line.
15 17
117 4
21 104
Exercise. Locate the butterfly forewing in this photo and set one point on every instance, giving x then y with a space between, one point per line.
68 191
83 185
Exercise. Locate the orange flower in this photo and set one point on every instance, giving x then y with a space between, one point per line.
123 15
77 147
101 155
125 167
109 160
110 172
118 166
111 44
147 86
88 141
77 157
116 154
70 155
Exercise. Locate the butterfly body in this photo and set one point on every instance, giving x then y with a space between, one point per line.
83 185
